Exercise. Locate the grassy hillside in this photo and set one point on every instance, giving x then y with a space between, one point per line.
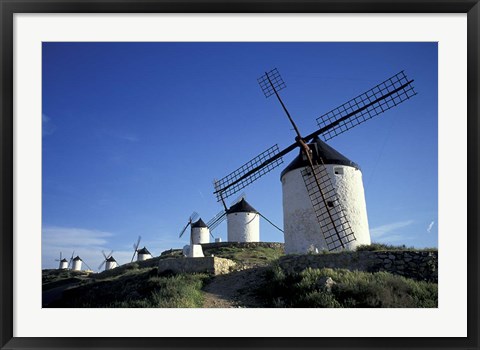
135 287
139 284
247 256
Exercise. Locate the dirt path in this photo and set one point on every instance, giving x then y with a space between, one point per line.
234 289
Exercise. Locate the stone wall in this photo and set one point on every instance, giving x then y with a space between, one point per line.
210 265
419 265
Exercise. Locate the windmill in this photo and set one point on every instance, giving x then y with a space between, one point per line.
220 217
323 197
63 263
199 231
109 261
143 254
77 264
243 224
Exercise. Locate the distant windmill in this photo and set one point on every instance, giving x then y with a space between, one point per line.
63 263
243 221
143 254
77 264
199 231
109 261
323 197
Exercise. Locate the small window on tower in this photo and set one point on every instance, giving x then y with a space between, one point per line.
338 171
330 204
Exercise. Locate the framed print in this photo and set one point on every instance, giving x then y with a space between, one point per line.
117 116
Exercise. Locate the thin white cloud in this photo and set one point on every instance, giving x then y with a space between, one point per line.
72 236
385 230
429 228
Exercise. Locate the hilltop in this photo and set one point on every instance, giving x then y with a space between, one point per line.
259 278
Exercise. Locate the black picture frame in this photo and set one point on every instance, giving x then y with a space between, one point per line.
10 7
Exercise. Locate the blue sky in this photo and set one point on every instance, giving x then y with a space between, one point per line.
135 133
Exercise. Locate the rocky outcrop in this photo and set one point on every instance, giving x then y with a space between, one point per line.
210 265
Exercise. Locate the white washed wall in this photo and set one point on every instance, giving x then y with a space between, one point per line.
200 235
302 231
243 227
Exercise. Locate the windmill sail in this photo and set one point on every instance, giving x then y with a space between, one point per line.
191 219
135 247
247 173
331 216
217 220
71 260
381 98
271 82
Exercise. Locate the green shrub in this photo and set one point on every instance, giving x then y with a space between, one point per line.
350 289
178 291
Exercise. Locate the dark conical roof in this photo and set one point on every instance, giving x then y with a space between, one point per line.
199 223
328 154
242 207
111 259
77 258
143 251
64 260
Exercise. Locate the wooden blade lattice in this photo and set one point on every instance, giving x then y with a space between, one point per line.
247 173
333 222
217 220
371 103
271 81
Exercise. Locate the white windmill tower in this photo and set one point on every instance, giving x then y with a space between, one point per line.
142 254
243 221
63 263
324 202
199 233
109 261
77 264
302 232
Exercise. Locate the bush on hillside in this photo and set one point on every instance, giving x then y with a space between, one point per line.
387 247
350 289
